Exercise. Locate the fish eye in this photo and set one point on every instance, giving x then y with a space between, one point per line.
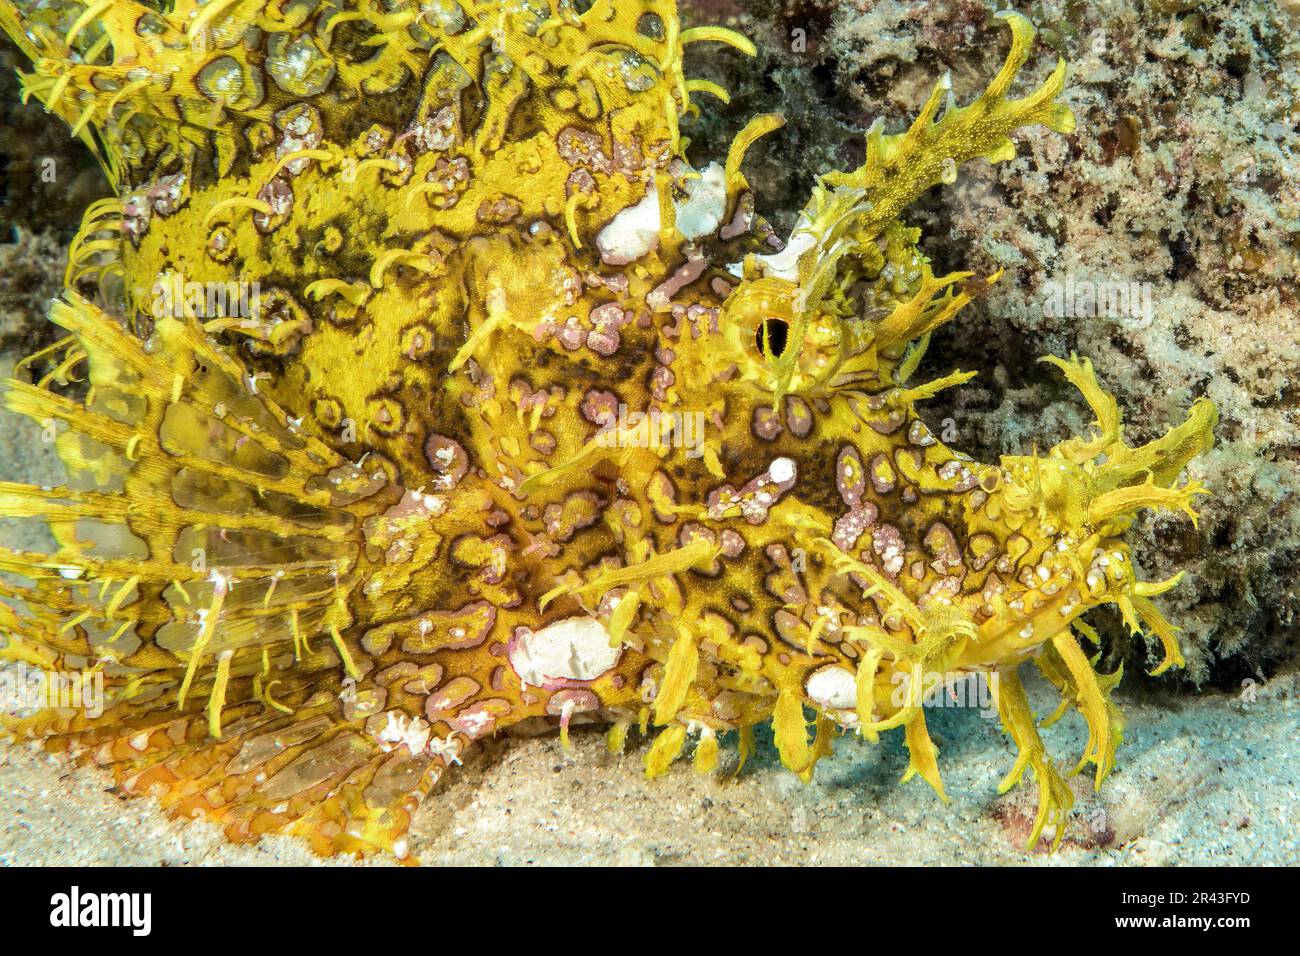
772 336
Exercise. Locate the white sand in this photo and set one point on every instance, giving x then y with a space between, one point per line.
1203 781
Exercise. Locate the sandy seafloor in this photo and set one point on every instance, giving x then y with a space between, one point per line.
1204 779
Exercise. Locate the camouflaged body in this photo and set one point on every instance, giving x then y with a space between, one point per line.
522 418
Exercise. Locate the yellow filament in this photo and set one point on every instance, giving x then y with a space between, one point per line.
354 293
757 127
323 156
296 632
387 165
570 219
207 13
217 700
126 625
98 47
121 595
84 119
87 16
238 202
414 260
205 635
719 35
348 665
708 86
74 622
129 90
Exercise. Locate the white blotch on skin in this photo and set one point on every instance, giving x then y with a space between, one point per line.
833 687
632 233
706 203
782 470
400 730
576 648
635 230
783 264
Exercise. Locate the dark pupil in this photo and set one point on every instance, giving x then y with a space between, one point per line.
771 336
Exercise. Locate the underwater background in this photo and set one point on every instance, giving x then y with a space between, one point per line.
1180 185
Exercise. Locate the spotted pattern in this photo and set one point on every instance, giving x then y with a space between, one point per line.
532 423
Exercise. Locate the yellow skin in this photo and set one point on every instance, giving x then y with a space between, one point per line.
318 551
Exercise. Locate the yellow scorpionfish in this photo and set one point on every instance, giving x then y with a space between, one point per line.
506 416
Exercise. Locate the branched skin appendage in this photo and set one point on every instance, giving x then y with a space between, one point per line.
531 421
